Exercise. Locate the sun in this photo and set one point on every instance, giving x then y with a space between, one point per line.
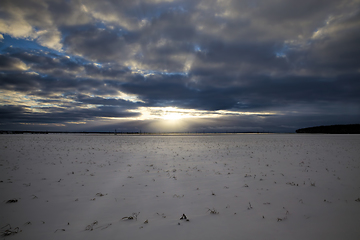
173 116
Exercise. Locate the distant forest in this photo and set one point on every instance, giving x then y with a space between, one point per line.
333 129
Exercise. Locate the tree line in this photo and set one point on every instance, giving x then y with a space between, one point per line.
333 129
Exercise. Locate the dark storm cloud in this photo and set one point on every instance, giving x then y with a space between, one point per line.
334 49
277 57
16 114
97 44
46 85
9 113
8 63
292 10
107 102
67 13
46 62
110 72
256 93
177 95
59 65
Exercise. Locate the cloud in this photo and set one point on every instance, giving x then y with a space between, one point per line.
293 61
13 21
68 13
39 20
12 114
98 45
11 64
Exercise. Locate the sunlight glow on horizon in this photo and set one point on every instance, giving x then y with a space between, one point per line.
176 114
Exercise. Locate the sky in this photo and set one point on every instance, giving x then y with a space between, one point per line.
179 66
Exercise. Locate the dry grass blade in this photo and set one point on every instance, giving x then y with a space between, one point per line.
213 211
9 231
90 227
14 200
134 216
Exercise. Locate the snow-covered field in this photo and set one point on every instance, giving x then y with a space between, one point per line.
229 186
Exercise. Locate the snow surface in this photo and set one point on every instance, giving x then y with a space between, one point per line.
230 186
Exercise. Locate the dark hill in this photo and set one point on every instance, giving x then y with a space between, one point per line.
334 129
